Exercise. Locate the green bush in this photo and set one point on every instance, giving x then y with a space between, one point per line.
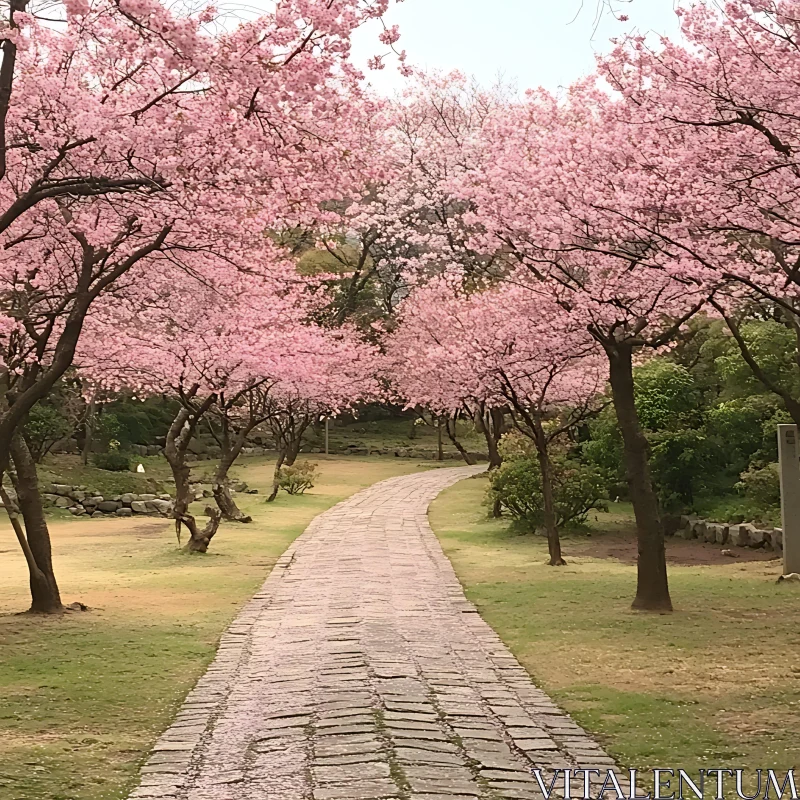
113 461
298 478
762 485
578 488
45 426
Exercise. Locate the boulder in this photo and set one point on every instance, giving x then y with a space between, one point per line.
64 502
164 497
163 507
723 532
739 535
94 501
98 515
777 538
49 499
127 498
77 510
124 512
77 495
252 491
145 497
710 533
698 529
757 538
138 507
108 506
62 489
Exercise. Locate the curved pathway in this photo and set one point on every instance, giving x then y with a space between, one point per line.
360 671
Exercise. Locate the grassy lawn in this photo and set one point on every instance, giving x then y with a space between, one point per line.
83 697
716 684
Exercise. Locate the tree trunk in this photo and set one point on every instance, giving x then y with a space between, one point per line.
222 493
548 497
178 438
439 442
45 596
493 433
652 591
276 476
450 428
88 432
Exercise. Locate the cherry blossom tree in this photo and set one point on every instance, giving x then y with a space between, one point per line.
132 135
507 347
572 191
730 90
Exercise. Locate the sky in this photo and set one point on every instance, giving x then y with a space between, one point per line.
531 43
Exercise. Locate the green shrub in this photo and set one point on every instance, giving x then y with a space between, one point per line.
762 485
45 426
298 478
113 461
578 488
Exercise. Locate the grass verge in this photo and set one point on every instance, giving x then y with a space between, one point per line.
713 685
83 697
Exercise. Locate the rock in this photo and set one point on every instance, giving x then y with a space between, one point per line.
145 497
62 489
729 553
208 493
117 498
98 515
127 498
792 577
757 538
78 495
777 538
153 450
699 529
124 512
108 506
710 533
238 486
77 510
138 507
739 535
49 499
93 501
63 502
252 491
163 507
672 524
723 531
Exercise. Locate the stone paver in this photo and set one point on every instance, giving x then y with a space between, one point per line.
361 672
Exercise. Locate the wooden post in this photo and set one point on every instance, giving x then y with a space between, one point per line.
790 496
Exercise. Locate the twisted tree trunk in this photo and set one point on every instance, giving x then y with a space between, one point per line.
178 438
231 450
450 428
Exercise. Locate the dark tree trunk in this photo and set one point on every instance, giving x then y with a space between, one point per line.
231 450
439 442
88 432
276 477
491 430
497 509
178 438
450 428
548 498
652 591
45 596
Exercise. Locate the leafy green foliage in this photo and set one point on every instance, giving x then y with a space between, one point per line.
517 484
762 485
298 478
45 426
113 461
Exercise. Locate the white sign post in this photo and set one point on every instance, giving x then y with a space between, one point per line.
789 458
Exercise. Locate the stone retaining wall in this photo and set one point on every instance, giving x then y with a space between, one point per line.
738 535
80 500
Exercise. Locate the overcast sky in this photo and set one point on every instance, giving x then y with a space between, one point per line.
532 42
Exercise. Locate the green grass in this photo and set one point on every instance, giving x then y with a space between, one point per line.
84 696
714 684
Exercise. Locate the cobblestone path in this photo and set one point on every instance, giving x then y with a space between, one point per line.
360 671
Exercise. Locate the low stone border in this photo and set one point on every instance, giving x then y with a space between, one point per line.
738 535
80 501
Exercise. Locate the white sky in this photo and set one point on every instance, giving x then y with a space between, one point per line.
530 42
